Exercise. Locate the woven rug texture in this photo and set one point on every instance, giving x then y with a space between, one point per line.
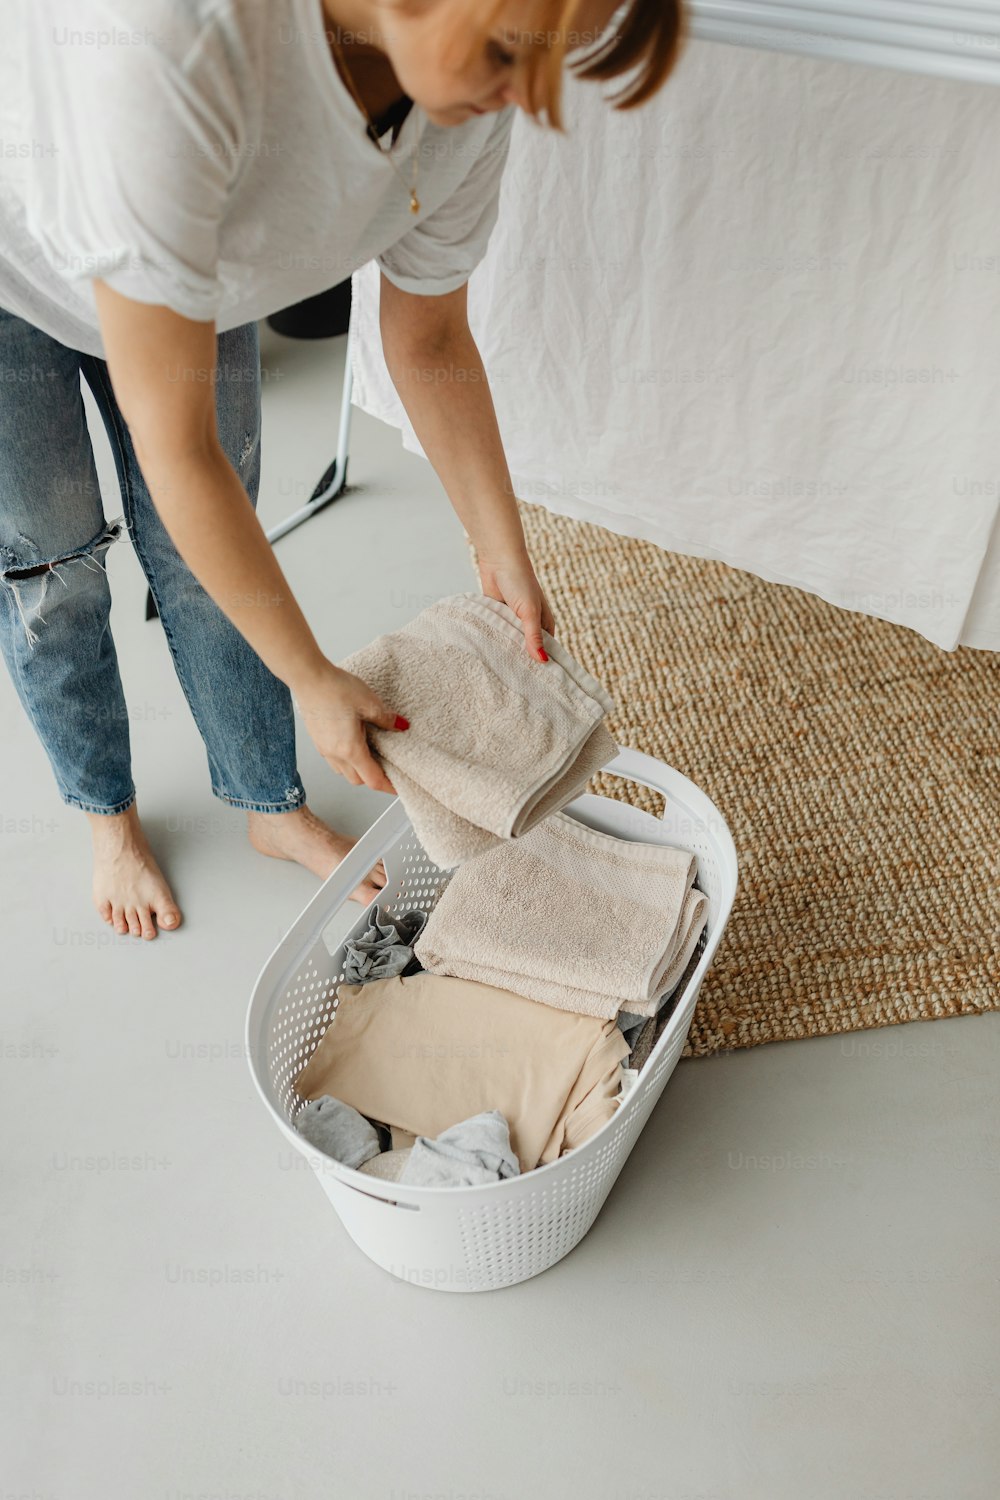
856 764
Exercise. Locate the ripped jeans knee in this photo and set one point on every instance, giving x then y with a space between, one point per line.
31 579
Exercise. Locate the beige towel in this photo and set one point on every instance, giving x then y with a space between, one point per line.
570 916
425 1051
496 740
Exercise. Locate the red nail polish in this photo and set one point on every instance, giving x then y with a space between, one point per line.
543 653
401 723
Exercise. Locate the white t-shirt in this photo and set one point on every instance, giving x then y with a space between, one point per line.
206 155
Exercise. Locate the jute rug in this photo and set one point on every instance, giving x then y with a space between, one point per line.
857 765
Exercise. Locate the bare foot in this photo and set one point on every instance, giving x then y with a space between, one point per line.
130 891
302 837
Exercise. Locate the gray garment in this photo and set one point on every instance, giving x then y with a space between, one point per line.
472 1152
338 1129
386 949
644 1042
631 1025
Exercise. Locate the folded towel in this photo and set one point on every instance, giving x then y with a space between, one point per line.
570 916
633 1025
497 741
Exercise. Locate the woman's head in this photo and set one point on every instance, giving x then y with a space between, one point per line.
455 57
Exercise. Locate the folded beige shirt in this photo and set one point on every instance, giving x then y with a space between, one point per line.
423 1052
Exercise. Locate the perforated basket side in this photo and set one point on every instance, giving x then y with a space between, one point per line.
475 1238
308 1003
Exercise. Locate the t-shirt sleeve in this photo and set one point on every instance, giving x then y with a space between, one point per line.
147 138
439 254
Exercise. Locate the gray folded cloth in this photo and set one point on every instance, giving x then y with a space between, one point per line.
641 1032
644 1044
472 1152
630 1023
630 1027
338 1129
386 948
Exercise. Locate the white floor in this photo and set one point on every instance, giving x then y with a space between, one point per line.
791 1293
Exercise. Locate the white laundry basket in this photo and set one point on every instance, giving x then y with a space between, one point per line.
464 1239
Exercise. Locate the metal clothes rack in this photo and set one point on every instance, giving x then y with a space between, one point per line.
334 479
912 36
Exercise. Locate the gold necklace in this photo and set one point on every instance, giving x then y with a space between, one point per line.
414 200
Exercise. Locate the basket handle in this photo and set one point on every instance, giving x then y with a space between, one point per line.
634 765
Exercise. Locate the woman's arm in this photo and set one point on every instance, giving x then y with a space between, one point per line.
437 369
162 368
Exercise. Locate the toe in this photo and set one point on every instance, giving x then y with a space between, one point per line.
104 911
169 917
134 925
146 922
118 918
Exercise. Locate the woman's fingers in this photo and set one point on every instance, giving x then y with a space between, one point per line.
531 624
371 770
375 712
373 775
360 768
336 712
345 769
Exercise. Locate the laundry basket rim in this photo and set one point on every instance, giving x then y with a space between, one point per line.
384 834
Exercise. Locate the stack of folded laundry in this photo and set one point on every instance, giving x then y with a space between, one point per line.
571 916
500 1031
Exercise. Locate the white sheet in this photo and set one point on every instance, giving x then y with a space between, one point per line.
757 320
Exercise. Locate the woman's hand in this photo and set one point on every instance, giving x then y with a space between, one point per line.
335 706
512 581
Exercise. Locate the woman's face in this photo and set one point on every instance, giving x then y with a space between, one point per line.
493 77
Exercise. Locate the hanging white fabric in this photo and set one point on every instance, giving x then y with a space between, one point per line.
756 320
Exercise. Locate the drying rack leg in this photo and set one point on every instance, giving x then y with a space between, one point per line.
330 486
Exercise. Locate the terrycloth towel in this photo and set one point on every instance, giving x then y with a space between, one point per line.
340 1131
570 916
385 949
468 1154
632 1026
497 741
425 1051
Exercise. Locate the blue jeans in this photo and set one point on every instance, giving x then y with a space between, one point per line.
54 595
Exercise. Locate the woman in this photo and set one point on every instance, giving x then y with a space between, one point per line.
185 168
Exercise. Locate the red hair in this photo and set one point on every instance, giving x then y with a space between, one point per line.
646 37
